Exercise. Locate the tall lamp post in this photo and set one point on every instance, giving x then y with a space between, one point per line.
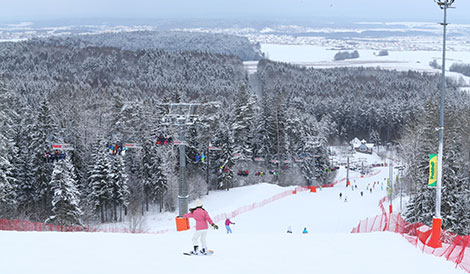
435 240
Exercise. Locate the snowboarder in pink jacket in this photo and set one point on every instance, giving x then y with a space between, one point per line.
202 220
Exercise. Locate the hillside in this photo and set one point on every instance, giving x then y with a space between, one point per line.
259 243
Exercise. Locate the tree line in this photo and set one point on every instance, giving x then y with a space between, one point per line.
172 41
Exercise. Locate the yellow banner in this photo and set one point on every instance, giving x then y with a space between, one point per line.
432 182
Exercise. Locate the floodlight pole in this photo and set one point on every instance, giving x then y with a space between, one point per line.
435 240
390 186
441 129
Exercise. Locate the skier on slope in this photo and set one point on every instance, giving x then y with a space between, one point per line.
227 225
202 219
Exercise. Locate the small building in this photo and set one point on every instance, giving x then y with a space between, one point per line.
355 143
362 146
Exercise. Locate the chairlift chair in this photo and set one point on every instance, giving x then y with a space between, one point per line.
62 146
59 152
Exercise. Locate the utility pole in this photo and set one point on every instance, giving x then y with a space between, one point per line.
398 179
390 186
208 159
435 240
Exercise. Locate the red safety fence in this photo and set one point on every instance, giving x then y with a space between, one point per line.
22 225
276 197
453 248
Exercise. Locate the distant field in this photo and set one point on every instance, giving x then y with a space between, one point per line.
322 57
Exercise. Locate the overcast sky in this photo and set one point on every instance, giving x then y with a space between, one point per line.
383 10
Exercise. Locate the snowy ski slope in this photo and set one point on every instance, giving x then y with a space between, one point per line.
259 243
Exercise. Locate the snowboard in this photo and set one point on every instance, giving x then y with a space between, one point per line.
209 252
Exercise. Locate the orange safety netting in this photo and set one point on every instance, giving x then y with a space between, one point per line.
453 245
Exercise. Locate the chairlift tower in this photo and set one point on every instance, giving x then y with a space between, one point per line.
316 141
182 115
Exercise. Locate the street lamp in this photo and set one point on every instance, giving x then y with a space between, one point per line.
435 240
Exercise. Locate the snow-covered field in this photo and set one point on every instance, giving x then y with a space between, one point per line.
259 243
323 57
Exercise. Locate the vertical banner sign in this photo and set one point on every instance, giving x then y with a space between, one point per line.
432 182
389 188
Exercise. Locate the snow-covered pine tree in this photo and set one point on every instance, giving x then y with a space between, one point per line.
309 148
322 162
26 187
131 123
261 139
65 196
271 135
295 131
160 184
223 159
7 187
153 177
117 179
279 123
8 151
243 122
44 133
374 137
98 180
147 167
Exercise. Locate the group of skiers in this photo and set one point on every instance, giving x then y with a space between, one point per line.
51 157
345 197
224 169
259 173
289 230
245 173
117 150
368 188
164 140
274 172
200 158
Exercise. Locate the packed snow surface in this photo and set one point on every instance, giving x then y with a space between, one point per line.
259 243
